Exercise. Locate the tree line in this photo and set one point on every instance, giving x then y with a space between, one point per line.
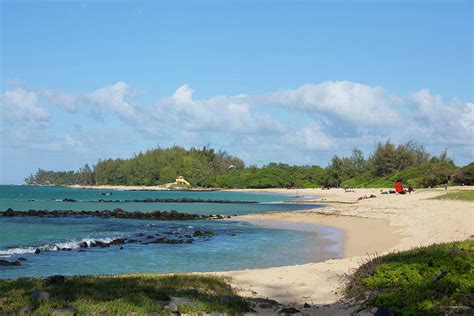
206 167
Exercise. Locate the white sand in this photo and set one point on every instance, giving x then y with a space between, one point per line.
385 223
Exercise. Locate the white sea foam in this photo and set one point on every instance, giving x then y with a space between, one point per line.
72 244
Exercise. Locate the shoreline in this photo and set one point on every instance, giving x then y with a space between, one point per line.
354 229
371 227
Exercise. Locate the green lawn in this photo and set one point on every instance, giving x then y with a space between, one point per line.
467 195
138 293
413 282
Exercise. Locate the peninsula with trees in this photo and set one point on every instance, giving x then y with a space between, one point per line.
208 168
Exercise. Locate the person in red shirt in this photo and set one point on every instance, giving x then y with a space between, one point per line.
399 187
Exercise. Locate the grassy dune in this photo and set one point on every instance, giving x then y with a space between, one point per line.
125 294
467 195
433 280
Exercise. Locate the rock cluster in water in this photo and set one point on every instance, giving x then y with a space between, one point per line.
116 213
6 263
151 200
170 237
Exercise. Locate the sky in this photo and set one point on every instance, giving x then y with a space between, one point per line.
284 81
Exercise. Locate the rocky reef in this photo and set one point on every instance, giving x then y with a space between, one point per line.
116 213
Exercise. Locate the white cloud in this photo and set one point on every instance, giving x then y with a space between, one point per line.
21 105
183 95
218 114
66 101
467 120
309 138
349 101
447 123
324 119
113 98
31 139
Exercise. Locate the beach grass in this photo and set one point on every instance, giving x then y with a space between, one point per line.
125 294
432 280
465 195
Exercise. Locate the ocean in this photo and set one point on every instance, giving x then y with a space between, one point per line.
74 245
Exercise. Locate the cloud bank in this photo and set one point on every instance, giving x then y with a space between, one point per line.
311 120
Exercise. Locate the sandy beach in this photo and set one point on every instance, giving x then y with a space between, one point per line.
386 223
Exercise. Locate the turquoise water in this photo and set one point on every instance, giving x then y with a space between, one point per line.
233 245
30 197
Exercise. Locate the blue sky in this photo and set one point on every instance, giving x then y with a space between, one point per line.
291 81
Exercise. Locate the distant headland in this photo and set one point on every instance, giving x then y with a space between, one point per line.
177 168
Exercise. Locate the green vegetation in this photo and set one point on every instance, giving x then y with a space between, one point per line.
85 176
409 162
139 293
433 280
467 195
274 176
465 175
154 167
207 168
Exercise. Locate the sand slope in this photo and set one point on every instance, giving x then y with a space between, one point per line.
385 223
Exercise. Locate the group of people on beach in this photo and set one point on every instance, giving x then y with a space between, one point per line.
398 190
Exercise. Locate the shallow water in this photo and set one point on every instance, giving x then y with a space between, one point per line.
233 245
48 198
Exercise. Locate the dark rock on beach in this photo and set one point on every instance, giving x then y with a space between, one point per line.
176 302
265 303
288 311
383 311
54 279
68 310
38 295
26 310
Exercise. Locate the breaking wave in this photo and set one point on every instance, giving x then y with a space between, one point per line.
72 244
